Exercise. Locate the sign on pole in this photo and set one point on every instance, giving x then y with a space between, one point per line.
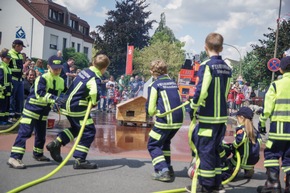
273 64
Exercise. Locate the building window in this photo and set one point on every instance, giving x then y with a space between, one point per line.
53 42
73 45
64 43
73 24
86 51
81 29
0 37
79 48
55 15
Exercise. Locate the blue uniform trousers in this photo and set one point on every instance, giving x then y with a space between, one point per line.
276 149
24 133
208 138
87 138
17 99
159 150
4 108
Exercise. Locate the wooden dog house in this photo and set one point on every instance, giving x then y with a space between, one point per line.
132 110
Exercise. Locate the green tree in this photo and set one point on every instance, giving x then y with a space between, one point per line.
163 45
128 24
254 64
81 60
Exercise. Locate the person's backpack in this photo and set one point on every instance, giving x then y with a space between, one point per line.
253 94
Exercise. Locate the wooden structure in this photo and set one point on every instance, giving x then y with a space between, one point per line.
132 112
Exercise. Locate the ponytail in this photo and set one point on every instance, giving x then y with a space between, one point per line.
250 130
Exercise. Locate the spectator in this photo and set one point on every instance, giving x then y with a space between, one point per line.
26 66
121 83
125 94
141 83
103 96
111 96
135 86
29 81
73 72
65 73
239 99
117 98
231 100
39 67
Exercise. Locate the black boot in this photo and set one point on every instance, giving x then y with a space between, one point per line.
54 149
84 164
287 184
272 184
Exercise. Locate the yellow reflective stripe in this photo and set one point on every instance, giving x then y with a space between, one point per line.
37 102
18 150
69 134
15 70
286 169
271 163
269 144
218 170
222 154
82 148
152 101
30 114
168 126
38 150
212 120
207 173
167 153
166 106
158 160
247 167
44 118
89 121
25 120
205 132
154 135
276 136
15 78
83 103
75 90
73 114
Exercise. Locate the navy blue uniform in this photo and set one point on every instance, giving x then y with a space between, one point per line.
85 87
163 95
210 95
34 116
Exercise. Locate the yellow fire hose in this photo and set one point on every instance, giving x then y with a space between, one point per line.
167 112
39 180
192 146
11 128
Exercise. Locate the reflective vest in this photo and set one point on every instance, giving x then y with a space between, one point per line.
5 80
211 92
163 95
86 86
277 101
16 64
43 93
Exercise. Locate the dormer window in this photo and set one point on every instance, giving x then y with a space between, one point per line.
55 15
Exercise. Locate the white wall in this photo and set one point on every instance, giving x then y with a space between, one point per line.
13 16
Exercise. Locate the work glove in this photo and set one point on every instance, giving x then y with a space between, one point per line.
60 101
262 128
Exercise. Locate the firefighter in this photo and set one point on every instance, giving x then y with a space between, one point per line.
211 95
163 95
38 104
277 108
5 87
86 86
16 66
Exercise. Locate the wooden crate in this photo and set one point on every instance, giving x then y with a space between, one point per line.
132 110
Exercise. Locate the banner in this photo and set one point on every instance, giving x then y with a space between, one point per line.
129 61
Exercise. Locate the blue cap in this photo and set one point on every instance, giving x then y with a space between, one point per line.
285 63
5 54
55 62
245 112
19 42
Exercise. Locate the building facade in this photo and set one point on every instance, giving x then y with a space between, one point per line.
44 27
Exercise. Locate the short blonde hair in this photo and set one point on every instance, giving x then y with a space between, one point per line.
158 67
214 41
101 61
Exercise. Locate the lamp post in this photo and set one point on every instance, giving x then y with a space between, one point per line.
240 64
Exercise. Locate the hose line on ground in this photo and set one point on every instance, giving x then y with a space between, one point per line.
11 128
39 180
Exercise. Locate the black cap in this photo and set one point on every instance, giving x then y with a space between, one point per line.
285 63
5 54
245 112
19 42
55 62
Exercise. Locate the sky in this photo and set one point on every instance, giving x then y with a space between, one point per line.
241 22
